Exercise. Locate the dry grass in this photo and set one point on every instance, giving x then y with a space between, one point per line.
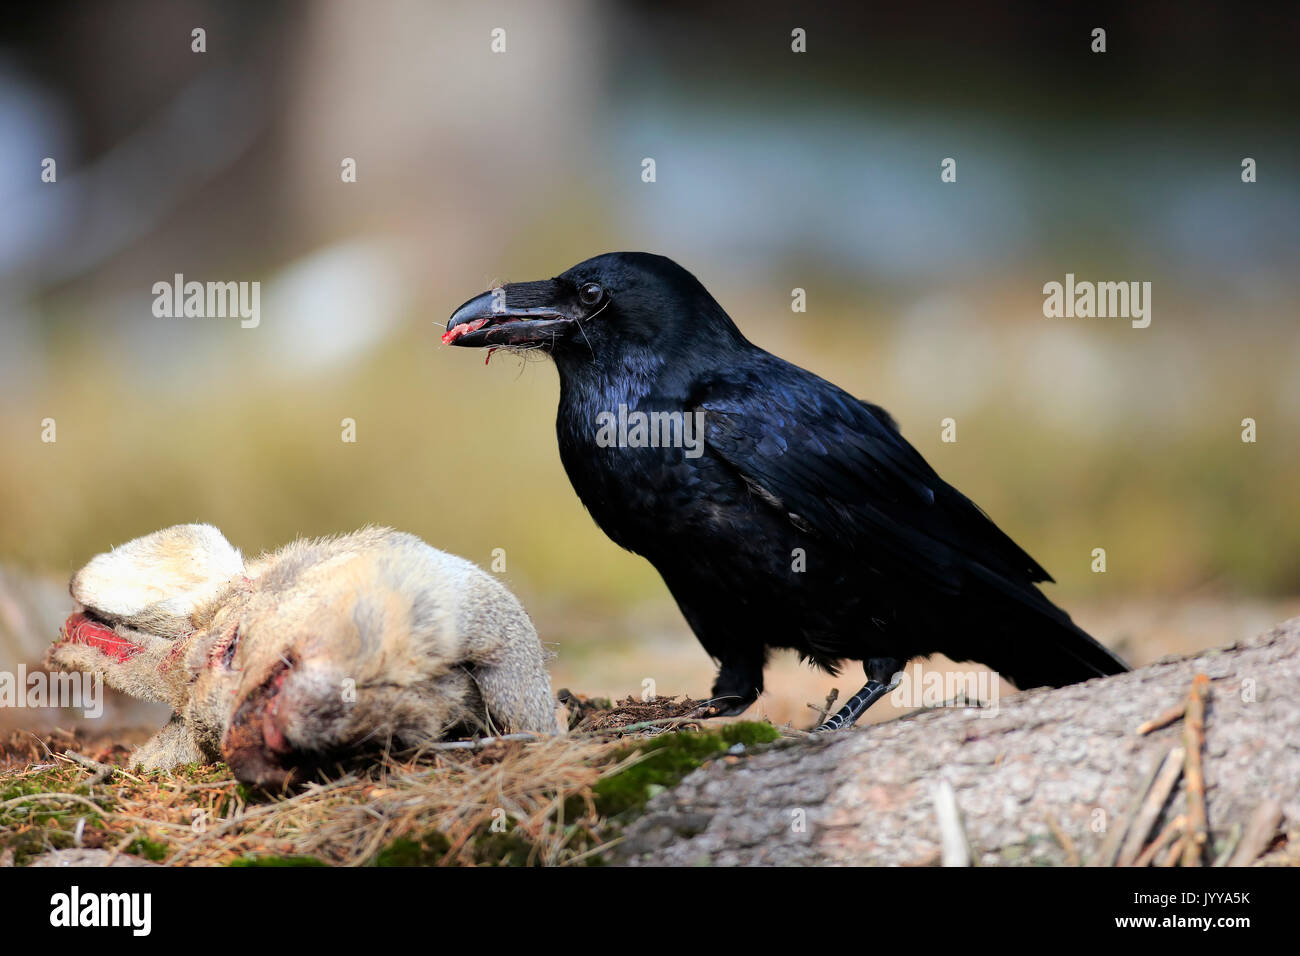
503 802
433 809
429 809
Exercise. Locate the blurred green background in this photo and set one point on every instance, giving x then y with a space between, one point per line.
775 170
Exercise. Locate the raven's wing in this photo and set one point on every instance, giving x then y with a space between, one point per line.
841 468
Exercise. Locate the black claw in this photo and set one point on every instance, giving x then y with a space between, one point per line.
727 707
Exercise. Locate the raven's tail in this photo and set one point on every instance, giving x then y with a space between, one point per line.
1037 645
1054 653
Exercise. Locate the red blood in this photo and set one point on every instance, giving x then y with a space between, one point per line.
452 334
274 737
266 699
173 655
80 629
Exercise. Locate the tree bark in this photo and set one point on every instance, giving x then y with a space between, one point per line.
1043 781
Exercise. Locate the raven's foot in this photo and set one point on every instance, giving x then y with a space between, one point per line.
723 707
857 705
736 687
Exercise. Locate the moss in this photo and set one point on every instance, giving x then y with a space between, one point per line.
491 849
29 827
429 850
203 772
149 849
504 849
273 861
252 796
402 852
751 733
668 758
32 843
50 781
46 813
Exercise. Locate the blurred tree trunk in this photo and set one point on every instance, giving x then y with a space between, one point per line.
32 609
1044 780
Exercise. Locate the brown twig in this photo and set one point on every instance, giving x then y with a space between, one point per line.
1259 833
1165 781
478 744
121 845
102 770
824 711
1164 720
1175 851
667 723
1194 743
1115 834
1173 829
1063 838
53 795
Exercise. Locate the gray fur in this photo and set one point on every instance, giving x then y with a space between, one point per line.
340 646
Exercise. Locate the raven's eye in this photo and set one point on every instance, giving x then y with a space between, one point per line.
590 293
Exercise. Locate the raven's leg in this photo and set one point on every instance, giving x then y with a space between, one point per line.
739 682
880 681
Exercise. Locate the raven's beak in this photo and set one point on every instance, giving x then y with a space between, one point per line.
516 314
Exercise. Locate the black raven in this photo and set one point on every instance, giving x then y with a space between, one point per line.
800 518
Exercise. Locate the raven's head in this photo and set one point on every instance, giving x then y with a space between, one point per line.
602 308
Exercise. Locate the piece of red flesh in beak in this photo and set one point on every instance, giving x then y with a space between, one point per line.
452 334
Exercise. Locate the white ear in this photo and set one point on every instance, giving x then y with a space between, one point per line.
165 575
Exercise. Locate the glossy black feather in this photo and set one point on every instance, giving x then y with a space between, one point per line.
896 563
